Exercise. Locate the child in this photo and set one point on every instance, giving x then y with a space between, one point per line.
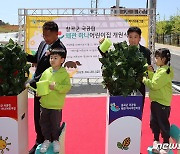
160 85
52 103
41 60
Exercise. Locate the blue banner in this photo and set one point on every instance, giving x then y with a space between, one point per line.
120 106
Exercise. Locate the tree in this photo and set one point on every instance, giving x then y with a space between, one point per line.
163 27
169 27
175 22
123 69
2 23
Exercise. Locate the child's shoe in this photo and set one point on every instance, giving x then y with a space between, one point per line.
45 146
155 147
56 146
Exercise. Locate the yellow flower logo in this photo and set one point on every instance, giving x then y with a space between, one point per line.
3 144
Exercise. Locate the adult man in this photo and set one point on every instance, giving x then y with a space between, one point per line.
134 37
41 59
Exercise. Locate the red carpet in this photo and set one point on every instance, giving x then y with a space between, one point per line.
85 119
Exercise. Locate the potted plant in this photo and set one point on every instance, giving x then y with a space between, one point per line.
14 72
14 69
123 67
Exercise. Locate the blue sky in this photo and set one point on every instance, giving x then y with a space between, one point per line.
9 8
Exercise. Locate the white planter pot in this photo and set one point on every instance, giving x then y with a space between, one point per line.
14 124
124 124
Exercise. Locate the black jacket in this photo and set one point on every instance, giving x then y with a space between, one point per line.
147 53
42 61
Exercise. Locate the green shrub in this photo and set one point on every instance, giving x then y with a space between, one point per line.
14 70
122 69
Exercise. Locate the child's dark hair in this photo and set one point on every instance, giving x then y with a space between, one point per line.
50 25
134 29
164 53
58 51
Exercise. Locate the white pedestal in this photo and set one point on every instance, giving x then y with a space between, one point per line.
14 124
124 125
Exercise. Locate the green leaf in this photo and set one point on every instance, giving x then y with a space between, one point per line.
13 66
119 145
122 69
11 41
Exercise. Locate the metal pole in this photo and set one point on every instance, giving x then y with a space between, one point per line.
117 3
152 4
147 4
152 13
117 7
96 6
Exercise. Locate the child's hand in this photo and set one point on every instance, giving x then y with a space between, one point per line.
101 40
52 85
37 95
144 78
150 68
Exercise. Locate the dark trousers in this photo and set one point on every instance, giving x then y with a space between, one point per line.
142 90
159 121
50 123
39 136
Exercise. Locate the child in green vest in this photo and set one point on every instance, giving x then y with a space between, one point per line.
160 85
52 103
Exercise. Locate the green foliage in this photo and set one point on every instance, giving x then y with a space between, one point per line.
2 23
123 68
163 27
169 27
175 22
13 69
